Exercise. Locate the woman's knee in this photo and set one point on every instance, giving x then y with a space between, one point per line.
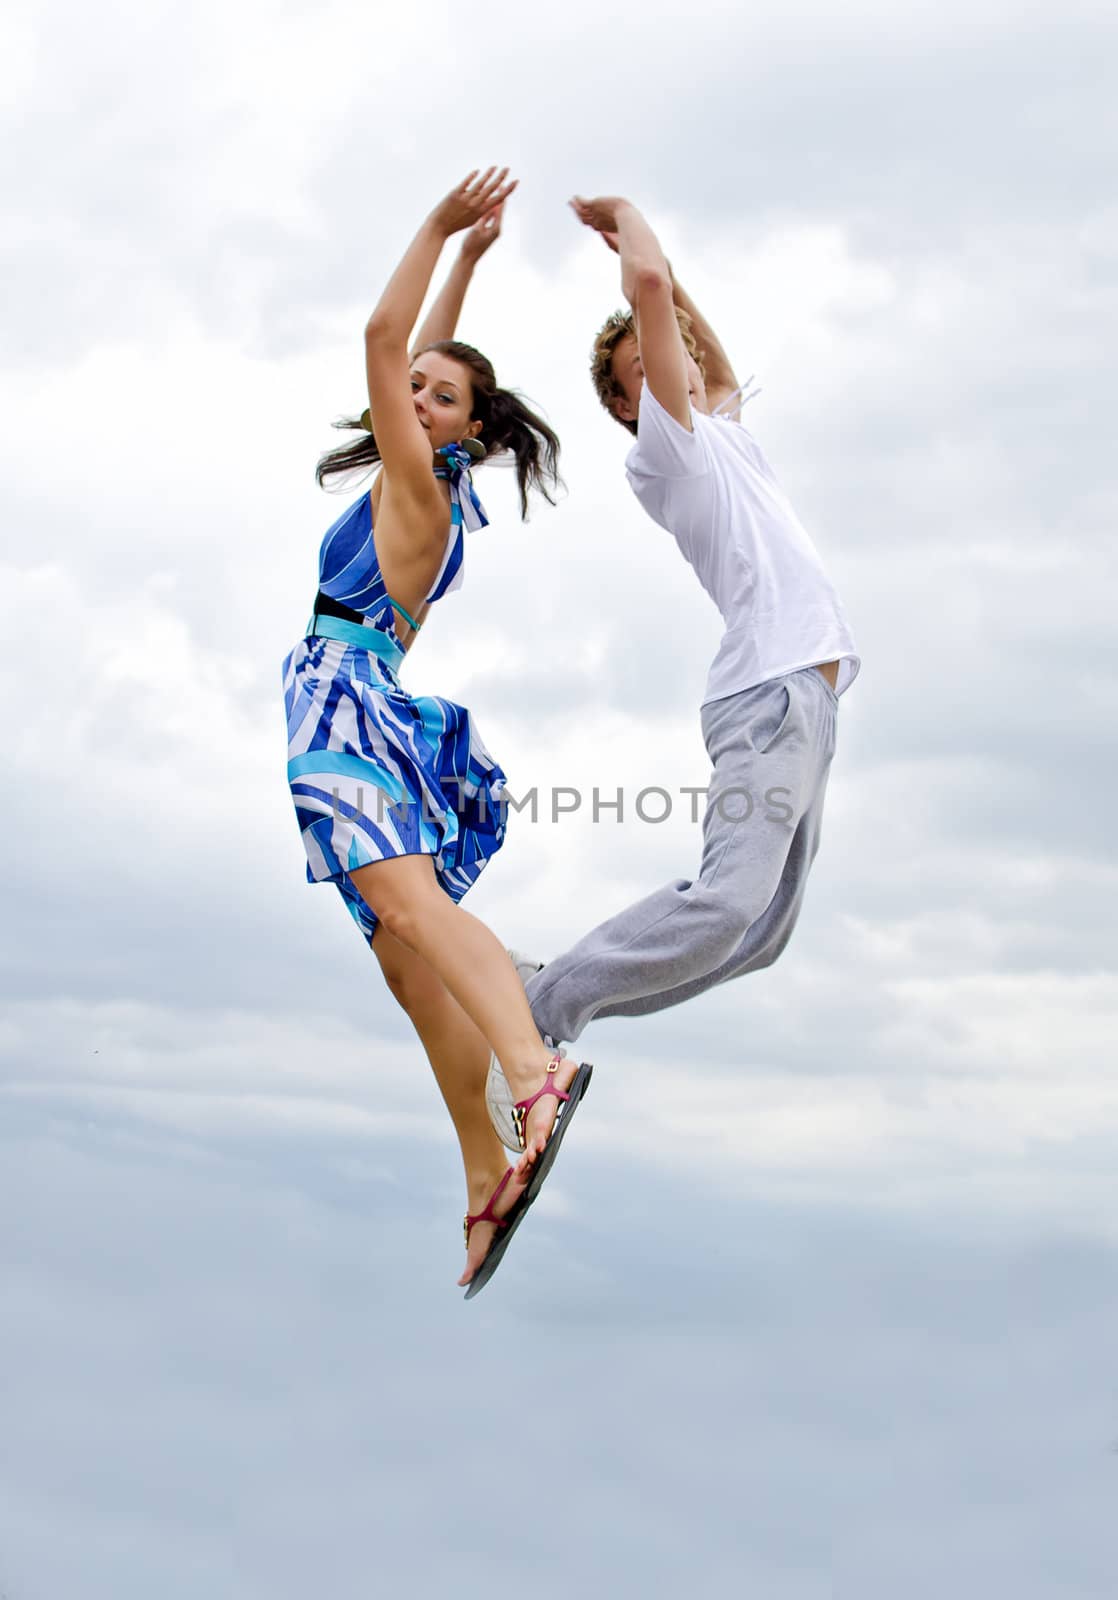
395 907
401 894
398 918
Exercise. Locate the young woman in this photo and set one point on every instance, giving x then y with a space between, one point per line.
398 800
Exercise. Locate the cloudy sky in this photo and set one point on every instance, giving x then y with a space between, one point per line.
821 1300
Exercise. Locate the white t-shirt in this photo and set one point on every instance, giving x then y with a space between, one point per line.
716 494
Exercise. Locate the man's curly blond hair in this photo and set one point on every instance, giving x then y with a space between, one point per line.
619 325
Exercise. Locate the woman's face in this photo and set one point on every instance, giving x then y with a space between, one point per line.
443 396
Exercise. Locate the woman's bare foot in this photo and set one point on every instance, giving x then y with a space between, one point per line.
479 1193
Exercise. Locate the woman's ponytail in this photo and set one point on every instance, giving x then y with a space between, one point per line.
513 426
348 458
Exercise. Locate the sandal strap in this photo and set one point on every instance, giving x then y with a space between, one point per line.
487 1215
522 1107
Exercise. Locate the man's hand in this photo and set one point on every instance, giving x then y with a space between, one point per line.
646 282
600 214
482 235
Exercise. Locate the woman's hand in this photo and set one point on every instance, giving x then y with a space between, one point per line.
482 235
472 200
600 214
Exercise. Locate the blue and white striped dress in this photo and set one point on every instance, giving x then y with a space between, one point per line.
375 772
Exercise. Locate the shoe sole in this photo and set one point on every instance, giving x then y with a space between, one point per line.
497 1249
579 1085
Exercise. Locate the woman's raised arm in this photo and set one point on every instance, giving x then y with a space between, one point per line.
401 441
441 322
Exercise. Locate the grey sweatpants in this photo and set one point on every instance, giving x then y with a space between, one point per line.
771 748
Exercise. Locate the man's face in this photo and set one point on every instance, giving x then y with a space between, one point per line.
629 375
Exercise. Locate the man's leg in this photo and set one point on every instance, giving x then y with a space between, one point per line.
766 938
771 749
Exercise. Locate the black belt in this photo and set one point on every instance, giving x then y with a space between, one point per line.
325 607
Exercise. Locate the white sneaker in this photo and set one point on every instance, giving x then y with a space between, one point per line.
498 1096
526 966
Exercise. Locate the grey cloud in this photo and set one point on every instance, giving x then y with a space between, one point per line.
911 137
769 1393
912 143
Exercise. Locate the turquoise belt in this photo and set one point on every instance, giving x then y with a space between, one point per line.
355 633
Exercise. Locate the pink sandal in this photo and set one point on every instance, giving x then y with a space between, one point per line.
506 1226
522 1107
488 1215
568 1105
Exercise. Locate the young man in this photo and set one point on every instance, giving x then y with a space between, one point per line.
769 712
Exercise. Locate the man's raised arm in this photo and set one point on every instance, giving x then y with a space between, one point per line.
646 282
718 373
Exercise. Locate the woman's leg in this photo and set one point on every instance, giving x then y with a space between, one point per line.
459 1057
406 898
